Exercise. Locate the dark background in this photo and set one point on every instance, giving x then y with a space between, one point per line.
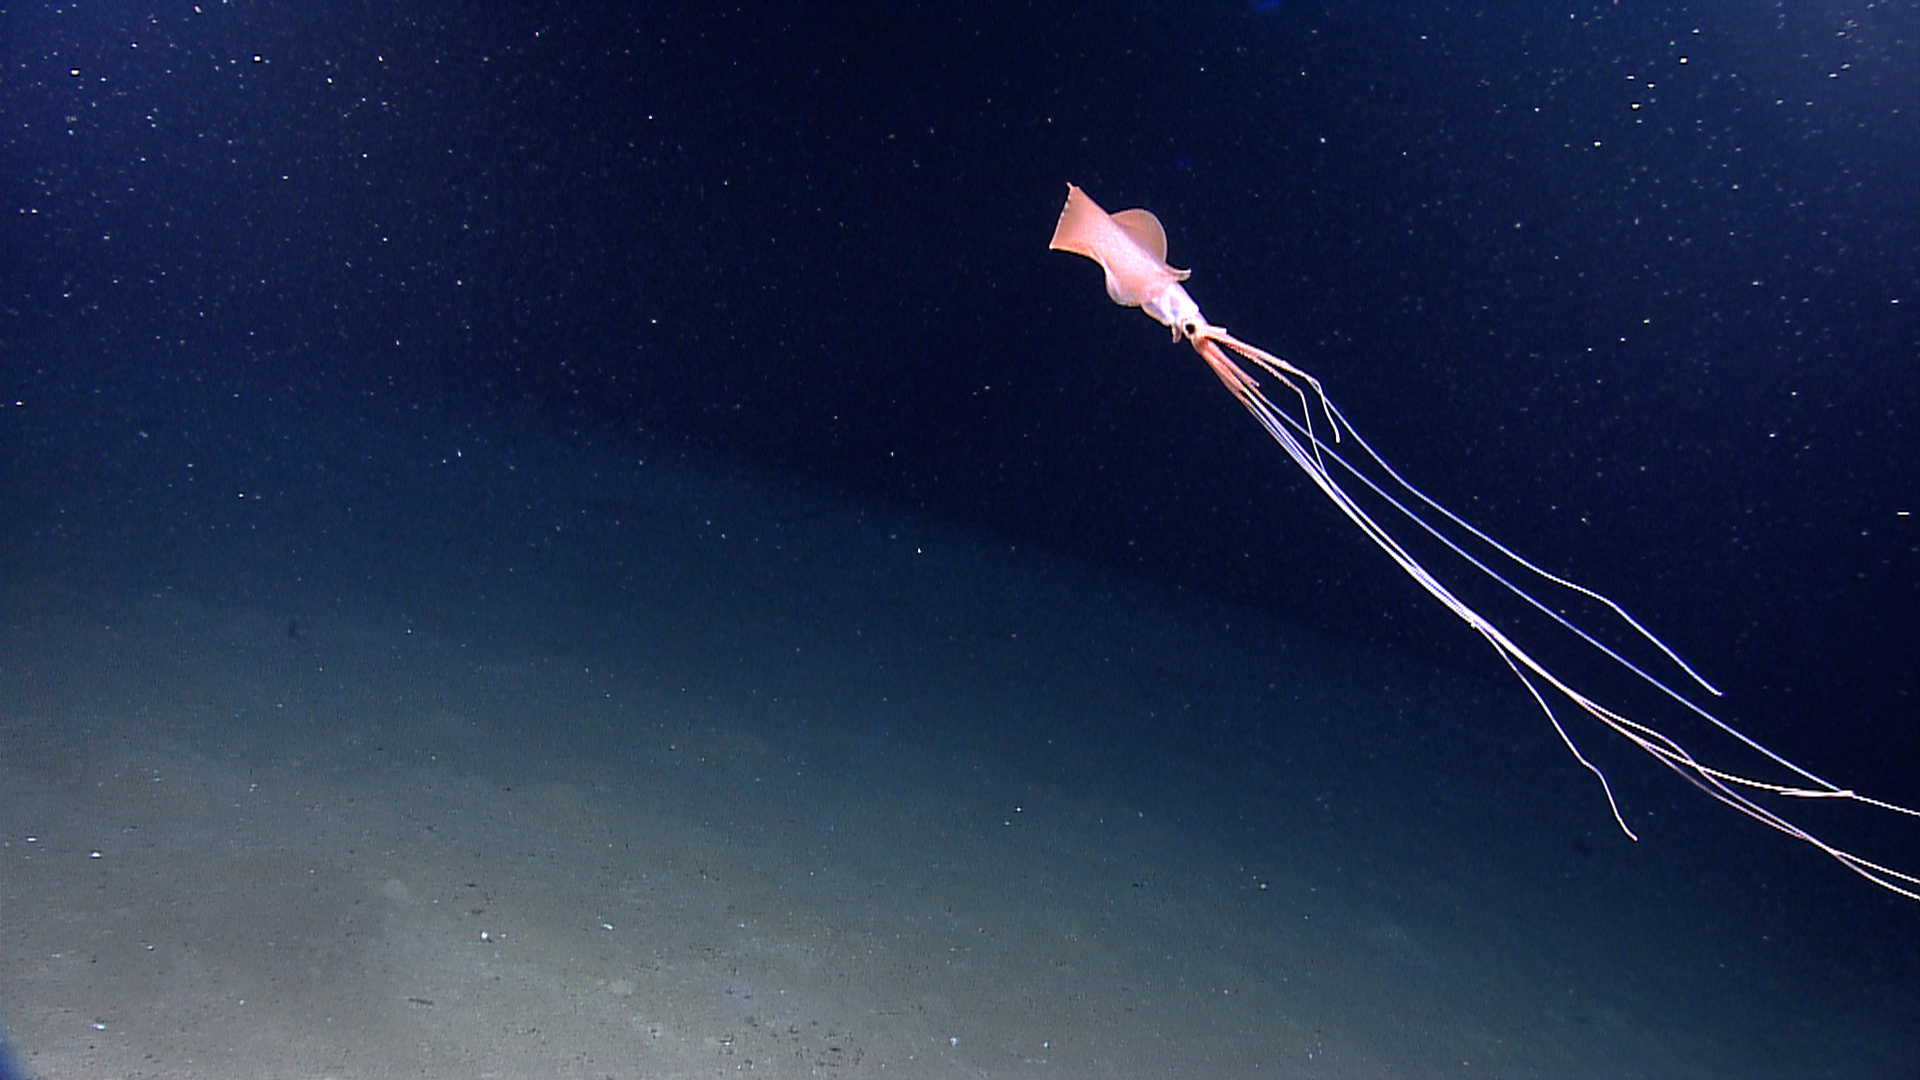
1633 286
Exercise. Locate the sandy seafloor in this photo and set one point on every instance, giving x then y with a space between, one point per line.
538 761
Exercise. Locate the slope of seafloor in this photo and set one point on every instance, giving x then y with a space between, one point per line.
597 766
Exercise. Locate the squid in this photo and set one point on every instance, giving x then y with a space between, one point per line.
1131 248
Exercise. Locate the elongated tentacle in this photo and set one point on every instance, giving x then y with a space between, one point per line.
1297 437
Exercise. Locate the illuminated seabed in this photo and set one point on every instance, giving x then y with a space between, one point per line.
586 765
